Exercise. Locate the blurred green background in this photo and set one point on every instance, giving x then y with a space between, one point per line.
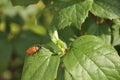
20 28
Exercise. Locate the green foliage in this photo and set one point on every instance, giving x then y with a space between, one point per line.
116 33
90 58
40 64
79 44
106 8
17 34
73 14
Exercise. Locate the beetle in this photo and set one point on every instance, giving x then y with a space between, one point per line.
33 49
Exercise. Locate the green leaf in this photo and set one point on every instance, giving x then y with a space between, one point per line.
51 46
5 52
116 34
40 66
90 58
106 8
38 29
23 2
75 13
67 76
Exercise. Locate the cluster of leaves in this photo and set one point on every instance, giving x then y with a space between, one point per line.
90 29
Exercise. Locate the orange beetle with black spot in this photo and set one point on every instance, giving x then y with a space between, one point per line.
32 50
